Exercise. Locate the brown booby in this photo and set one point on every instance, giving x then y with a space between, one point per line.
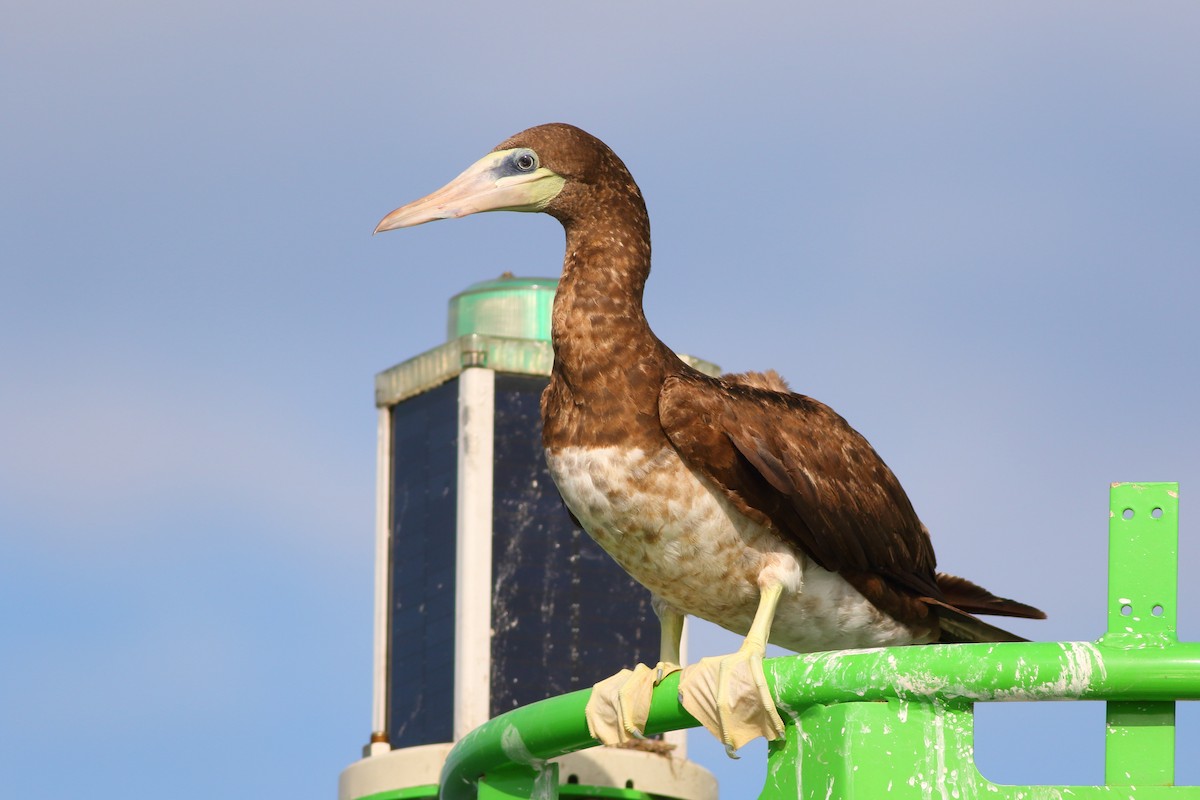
733 498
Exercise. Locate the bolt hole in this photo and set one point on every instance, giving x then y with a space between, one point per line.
1157 611
1126 610
1127 513
629 783
572 779
1156 513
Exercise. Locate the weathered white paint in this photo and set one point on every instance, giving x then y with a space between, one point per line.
515 749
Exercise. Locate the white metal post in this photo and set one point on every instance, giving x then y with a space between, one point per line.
473 567
383 537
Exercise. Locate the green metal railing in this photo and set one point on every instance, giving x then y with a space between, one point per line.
900 720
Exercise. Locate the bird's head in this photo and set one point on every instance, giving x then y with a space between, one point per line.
547 168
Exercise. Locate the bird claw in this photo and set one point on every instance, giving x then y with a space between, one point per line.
619 706
728 695
664 668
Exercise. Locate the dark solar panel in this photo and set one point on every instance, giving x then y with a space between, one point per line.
421 641
564 615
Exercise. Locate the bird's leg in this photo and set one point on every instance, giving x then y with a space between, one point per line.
619 706
728 694
670 624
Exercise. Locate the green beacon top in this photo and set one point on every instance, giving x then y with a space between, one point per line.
508 307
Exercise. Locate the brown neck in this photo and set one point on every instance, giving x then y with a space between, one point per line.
608 364
598 314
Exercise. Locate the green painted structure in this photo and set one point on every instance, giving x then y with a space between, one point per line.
899 721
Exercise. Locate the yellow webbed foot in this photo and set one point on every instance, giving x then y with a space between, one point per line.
728 695
619 706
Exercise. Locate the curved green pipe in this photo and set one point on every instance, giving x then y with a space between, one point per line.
1149 670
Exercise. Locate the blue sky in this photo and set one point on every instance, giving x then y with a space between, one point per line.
971 228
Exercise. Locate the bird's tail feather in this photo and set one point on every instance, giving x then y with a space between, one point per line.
959 627
972 598
961 600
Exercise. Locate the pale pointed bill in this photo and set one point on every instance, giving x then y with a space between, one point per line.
484 186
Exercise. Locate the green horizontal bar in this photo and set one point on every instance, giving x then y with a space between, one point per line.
990 673
972 672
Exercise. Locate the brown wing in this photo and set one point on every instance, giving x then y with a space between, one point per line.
791 461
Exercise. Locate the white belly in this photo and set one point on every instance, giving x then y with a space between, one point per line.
690 546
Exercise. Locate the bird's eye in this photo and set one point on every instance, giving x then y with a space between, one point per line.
525 161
